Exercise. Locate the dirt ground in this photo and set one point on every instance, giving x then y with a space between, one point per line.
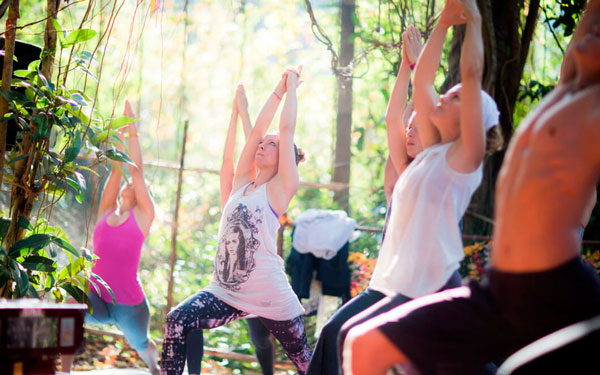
105 355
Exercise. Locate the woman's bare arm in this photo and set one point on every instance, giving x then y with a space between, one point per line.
239 107
242 106
142 195
285 184
424 94
110 192
227 165
396 132
470 147
245 168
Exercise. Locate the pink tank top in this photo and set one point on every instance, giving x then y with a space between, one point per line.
119 248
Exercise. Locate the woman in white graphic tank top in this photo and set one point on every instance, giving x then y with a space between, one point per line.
248 274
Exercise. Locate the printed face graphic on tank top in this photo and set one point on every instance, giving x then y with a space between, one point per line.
235 256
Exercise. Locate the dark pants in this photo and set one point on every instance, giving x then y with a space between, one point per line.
259 335
326 359
205 311
457 331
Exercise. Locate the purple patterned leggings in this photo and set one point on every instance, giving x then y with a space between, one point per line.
205 311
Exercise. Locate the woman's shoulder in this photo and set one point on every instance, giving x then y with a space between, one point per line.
141 219
101 217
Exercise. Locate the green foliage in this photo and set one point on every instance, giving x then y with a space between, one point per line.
56 130
534 90
30 267
564 14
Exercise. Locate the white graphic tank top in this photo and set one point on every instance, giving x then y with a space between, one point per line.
248 273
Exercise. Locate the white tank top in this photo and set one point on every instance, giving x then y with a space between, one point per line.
248 273
423 245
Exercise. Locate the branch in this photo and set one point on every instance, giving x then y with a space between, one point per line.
527 35
45 18
547 21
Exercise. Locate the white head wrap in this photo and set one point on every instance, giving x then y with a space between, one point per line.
489 110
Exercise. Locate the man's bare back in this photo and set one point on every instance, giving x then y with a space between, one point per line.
549 174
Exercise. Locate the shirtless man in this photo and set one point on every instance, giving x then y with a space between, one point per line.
538 283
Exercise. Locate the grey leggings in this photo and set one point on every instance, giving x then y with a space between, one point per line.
205 311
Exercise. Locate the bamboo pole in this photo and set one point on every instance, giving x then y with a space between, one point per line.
168 165
175 219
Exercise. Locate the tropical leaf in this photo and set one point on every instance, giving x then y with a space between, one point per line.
117 155
65 245
24 223
72 152
33 242
120 122
105 285
39 263
77 36
4 224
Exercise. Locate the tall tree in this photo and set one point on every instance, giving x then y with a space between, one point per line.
341 167
26 170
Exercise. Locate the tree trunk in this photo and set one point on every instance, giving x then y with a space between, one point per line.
47 63
23 196
341 166
9 51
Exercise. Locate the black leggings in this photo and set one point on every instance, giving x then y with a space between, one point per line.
205 311
259 335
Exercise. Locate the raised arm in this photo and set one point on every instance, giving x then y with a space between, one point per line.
239 106
424 94
245 170
142 195
242 107
589 19
283 186
411 47
470 147
227 165
110 192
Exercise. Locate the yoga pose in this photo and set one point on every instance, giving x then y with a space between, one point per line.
235 245
260 287
119 234
423 246
403 146
538 282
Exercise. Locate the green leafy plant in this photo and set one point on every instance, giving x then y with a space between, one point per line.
57 125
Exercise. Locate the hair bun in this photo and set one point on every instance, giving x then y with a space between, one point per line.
301 155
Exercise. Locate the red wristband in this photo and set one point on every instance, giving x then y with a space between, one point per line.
277 96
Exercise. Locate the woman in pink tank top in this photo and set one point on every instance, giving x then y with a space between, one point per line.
125 216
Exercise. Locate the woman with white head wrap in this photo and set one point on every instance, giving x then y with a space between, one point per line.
422 248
